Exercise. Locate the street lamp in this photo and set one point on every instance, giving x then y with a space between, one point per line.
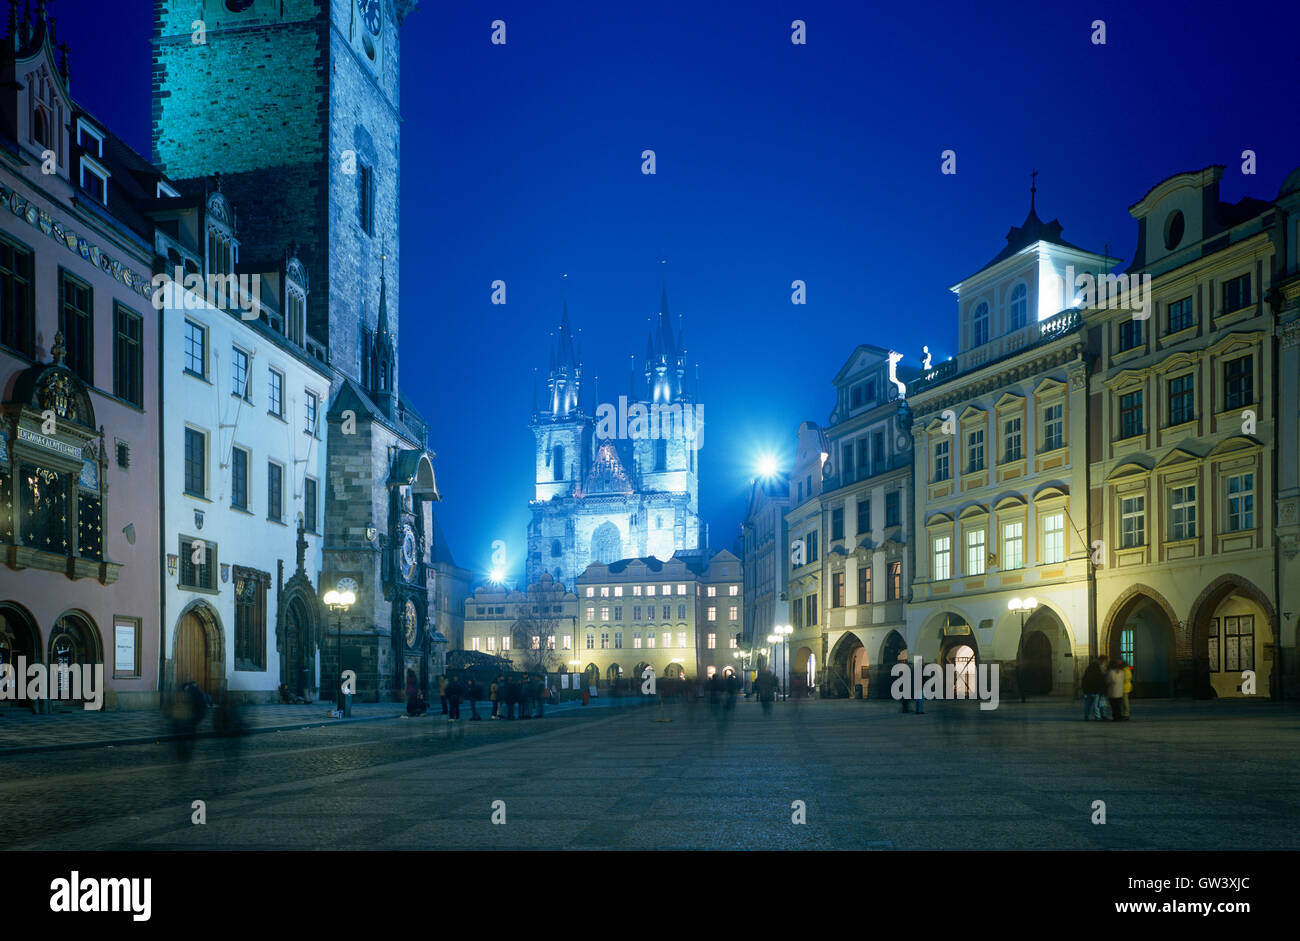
1024 607
783 632
338 602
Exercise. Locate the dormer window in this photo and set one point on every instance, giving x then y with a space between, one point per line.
221 259
90 140
94 180
295 316
46 112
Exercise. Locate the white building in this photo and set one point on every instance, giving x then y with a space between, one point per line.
243 464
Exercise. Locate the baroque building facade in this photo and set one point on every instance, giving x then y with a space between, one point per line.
618 479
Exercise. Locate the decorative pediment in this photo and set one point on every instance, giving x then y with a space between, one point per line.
1242 341
1052 491
939 519
1175 457
1049 387
1012 501
219 209
1009 402
970 414
1127 470
55 388
296 271
1125 378
1235 443
1177 361
974 511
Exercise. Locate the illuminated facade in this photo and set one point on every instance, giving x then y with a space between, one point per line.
804 652
608 487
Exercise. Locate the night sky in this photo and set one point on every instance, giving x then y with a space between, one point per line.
775 162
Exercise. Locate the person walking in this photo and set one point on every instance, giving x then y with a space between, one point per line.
512 697
1094 685
415 704
907 702
1115 689
526 697
455 690
1128 688
540 693
494 694
442 692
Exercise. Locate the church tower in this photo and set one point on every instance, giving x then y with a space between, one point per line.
294 105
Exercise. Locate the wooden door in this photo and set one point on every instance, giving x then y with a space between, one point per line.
191 653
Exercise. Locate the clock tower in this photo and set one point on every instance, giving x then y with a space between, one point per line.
295 106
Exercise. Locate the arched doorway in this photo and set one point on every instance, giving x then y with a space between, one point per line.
74 641
18 638
298 665
1036 655
613 676
799 671
1232 633
1142 635
198 651
960 652
674 671
894 645
847 668
591 675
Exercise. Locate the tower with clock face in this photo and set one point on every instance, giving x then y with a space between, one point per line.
295 104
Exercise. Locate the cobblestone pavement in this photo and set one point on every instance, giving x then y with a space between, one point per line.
1181 775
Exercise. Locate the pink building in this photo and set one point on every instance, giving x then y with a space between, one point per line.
80 559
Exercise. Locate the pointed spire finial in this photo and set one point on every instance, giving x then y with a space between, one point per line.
1033 188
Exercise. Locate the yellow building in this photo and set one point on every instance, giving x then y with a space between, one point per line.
1182 439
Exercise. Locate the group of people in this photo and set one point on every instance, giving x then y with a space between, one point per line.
528 696
1106 686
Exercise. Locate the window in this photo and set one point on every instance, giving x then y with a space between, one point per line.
661 454
1126 645
17 300
76 320
200 574
94 181
1182 513
864 583
712 613
1011 439
366 198
811 544
681 638
309 505
505 642
650 591
846 462
568 642
712 591
733 591
1053 427
1019 306
942 558
1130 334
1182 399
877 452
618 640
837 590
975 552
650 640
196 352
309 417
668 611
491 643
274 491
980 325
1180 315
733 642
591 591
864 516
474 643
557 462
1130 414
636 590
239 478
536 643
239 373
1238 383
1053 538
892 516
250 618
1013 545
604 613
1236 293
681 612
837 523
618 591
128 356
604 641
712 641
975 451
681 590
220 256
1212 643
556 549
295 316
1133 522
732 612
798 613
196 463
275 393
604 591
1241 502
894 585
942 468
636 612
1239 643
591 612
618 612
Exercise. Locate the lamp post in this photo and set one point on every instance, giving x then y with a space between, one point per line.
338 602
1023 606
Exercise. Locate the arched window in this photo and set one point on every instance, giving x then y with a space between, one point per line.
607 544
1019 306
40 127
556 549
980 325
557 462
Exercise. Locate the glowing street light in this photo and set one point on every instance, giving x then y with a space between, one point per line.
768 466
338 602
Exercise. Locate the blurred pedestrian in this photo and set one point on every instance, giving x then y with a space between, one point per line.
1128 688
475 693
906 700
1115 677
1094 686
512 697
541 691
442 692
526 697
415 704
455 691
494 694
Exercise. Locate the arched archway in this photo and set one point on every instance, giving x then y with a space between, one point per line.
893 644
614 676
847 668
799 666
1140 631
74 641
298 645
1234 629
674 671
591 675
19 637
199 649
1036 655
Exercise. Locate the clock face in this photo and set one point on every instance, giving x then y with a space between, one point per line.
371 15
412 624
408 553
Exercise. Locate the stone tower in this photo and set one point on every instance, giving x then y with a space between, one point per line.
294 105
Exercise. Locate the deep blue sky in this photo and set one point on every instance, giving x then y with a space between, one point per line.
775 162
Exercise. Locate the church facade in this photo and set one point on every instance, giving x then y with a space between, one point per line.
617 479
